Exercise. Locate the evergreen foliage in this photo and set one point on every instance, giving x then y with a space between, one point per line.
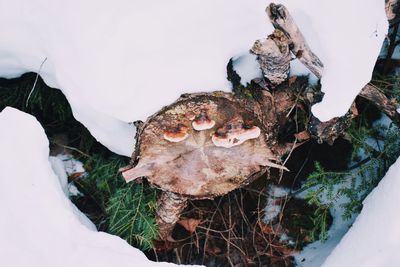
131 215
127 210
374 150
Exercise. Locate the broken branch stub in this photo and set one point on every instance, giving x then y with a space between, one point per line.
380 100
274 57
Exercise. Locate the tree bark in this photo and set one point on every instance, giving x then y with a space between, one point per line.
392 8
274 57
169 209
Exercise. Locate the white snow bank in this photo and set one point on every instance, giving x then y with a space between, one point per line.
314 254
39 226
374 238
120 61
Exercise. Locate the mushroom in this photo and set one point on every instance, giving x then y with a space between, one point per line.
202 122
176 134
234 133
199 166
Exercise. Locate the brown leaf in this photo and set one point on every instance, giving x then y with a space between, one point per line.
75 175
354 110
292 80
189 224
266 229
304 135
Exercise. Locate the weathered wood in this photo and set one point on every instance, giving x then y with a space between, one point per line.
330 130
274 56
283 21
379 99
392 8
169 209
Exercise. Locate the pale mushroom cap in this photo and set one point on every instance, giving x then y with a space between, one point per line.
177 134
236 138
199 125
202 122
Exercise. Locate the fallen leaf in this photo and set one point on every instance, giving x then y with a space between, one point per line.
292 80
304 135
189 224
75 175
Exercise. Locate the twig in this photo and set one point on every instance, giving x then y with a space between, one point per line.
72 148
34 84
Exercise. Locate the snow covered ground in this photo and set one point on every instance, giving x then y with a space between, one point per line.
120 61
319 253
374 238
315 254
39 226
370 240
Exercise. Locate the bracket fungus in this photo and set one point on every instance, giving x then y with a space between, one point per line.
234 133
202 146
202 122
176 134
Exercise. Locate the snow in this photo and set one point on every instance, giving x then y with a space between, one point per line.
273 208
347 36
247 67
120 61
63 166
374 238
39 226
314 254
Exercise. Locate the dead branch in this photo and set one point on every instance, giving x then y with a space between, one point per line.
379 99
330 130
282 20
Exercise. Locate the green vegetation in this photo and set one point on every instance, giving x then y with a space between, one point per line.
126 210
131 215
375 148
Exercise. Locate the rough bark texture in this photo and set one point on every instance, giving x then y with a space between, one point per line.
282 20
392 8
273 54
379 99
169 208
330 130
